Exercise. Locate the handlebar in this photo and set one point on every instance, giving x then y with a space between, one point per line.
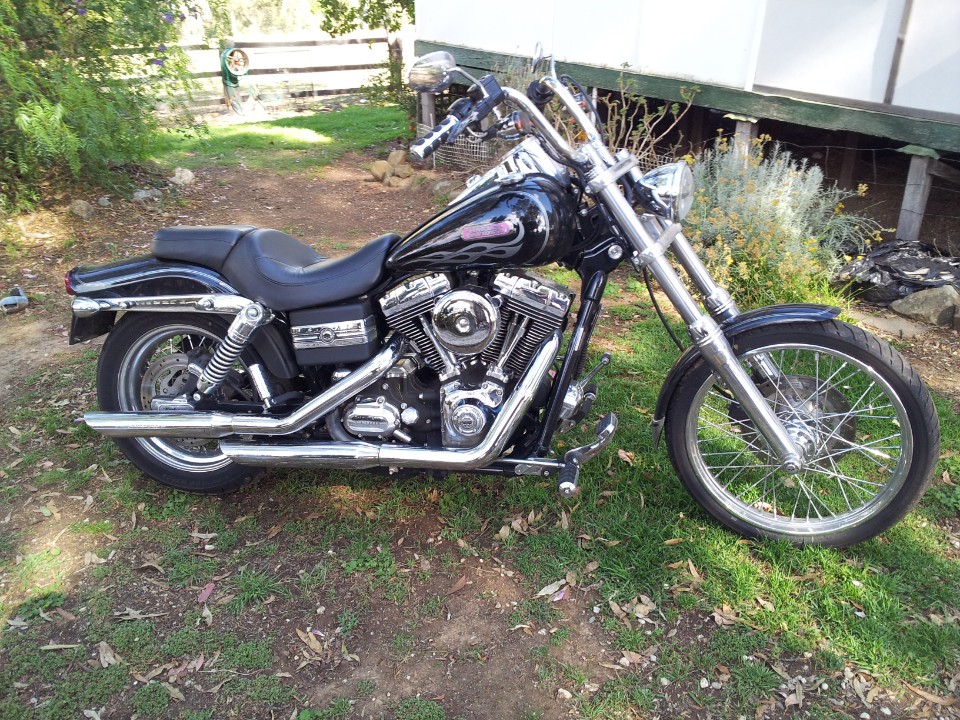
428 144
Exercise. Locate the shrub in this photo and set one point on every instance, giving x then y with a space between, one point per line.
78 81
768 227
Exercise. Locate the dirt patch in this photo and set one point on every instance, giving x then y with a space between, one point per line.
29 346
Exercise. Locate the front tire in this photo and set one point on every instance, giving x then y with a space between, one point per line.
145 357
864 415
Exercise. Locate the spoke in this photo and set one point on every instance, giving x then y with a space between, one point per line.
840 485
833 434
812 500
848 478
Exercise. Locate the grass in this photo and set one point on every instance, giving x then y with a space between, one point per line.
293 143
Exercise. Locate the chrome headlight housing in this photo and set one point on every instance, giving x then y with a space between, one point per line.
671 188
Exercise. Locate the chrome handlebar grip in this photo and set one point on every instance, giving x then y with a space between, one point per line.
427 145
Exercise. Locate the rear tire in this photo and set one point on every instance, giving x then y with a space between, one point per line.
146 356
864 413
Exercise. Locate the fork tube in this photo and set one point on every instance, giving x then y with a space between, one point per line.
715 298
705 332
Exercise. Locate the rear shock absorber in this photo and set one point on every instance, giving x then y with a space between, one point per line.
240 331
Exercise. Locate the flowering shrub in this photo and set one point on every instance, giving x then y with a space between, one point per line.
767 225
78 83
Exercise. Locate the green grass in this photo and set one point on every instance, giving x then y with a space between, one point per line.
300 142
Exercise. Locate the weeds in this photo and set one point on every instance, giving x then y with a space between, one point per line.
768 227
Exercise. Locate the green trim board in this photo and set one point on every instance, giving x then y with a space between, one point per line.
918 131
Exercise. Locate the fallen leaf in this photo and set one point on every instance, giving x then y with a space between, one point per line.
564 520
68 616
458 585
504 532
17 622
765 604
216 688
571 579
673 541
590 567
207 616
930 697
174 693
58 646
202 537
551 588
205 593
694 573
632 658
91 714
725 615
311 641
626 456
106 655
274 531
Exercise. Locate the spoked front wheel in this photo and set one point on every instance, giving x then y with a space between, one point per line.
862 416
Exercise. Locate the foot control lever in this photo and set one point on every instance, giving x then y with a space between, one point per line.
574 459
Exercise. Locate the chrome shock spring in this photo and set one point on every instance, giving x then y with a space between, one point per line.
231 347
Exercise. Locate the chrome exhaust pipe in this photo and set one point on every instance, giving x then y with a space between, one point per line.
218 424
361 455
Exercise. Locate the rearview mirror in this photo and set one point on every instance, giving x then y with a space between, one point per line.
432 73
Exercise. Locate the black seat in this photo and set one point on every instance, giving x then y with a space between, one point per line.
284 274
207 246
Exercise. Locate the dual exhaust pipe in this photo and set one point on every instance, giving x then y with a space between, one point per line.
355 455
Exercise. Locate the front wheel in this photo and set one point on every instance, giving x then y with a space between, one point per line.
146 358
860 413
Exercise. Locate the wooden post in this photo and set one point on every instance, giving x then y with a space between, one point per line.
428 109
744 135
915 198
851 154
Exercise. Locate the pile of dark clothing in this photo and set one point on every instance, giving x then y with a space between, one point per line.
897 268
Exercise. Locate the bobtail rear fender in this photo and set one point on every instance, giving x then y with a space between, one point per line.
146 276
750 320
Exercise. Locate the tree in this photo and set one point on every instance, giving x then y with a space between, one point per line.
343 16
78 84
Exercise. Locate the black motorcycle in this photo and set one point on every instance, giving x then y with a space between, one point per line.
235 348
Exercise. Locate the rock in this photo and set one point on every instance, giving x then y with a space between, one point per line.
444 187
381 170
956 320
394 182
397 158
104 201
899 327
82 209
182 177
564 694
936 306
403 170
417 181
141 196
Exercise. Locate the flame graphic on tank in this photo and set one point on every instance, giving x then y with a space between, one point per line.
483 231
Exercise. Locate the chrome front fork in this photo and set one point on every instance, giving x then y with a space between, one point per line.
651 245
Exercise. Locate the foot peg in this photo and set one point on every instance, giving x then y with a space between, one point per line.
574 459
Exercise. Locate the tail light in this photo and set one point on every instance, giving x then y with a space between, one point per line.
67 285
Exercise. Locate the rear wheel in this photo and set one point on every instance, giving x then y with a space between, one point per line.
861 414
145 359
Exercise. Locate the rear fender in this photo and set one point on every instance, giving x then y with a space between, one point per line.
750 320
146 276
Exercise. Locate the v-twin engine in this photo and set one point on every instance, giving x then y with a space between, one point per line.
477 339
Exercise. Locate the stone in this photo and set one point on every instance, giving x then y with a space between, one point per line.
182 177
397 158
381 170
936 306
417 181
403 170
956 320
104 201
444 187
82 209
394 182
898 327
141 196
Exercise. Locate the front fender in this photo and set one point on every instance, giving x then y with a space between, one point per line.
146 276
750 320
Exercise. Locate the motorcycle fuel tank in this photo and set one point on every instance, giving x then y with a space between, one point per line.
525 224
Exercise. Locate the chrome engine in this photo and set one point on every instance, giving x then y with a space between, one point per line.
478 341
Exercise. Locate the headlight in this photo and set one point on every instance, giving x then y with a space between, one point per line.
672 189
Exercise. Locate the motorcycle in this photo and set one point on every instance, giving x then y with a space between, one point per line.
235 348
